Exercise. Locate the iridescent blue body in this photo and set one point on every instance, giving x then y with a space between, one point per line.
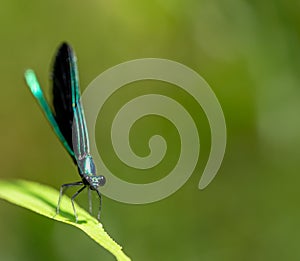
68 121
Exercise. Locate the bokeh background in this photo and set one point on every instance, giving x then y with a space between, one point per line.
248 51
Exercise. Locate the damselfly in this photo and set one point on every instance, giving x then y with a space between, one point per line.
68 121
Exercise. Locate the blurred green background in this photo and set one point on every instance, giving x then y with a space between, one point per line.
248 51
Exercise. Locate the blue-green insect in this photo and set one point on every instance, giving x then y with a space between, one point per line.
68 122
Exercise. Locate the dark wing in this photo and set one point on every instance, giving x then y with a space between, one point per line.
66 101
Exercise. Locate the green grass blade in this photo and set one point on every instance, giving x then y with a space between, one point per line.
43 200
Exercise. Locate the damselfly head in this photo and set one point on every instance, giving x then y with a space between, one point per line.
95 181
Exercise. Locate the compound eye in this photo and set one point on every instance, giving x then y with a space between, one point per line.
102 180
